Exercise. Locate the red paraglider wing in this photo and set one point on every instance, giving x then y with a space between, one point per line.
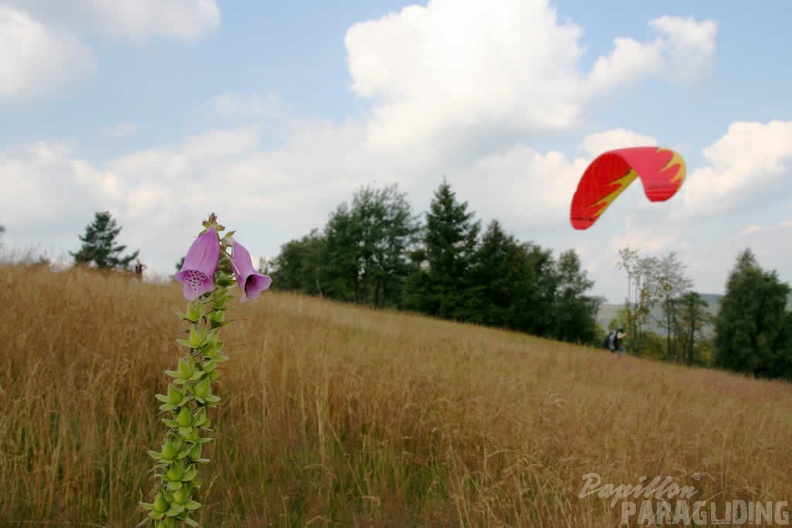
662 172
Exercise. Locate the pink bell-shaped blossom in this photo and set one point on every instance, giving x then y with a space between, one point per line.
200 264
249 279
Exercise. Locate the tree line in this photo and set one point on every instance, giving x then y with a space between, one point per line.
752 326
375 251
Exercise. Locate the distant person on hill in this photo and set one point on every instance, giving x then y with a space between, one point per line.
613 341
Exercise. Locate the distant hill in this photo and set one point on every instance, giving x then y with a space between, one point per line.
608 311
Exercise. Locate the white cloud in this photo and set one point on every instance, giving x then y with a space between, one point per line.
45 183
42 56
596 144
454 66
469 77
521 187
649 242
682 51
750 164
751 229
37 61
187 159
766 240
629 61
689 47
187 20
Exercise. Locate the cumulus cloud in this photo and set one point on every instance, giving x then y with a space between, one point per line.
37 61
41 54
187 20
471 77
682 50
457 66
688 46
596 144
188 159
47 183
749 164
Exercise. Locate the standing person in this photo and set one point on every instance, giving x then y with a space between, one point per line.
614 341
139 267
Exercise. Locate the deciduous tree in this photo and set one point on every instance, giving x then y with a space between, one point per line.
752 328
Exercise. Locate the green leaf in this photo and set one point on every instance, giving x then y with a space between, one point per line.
161 504
191 522
173 424
155 455
225 281
192 505
184 419
174 394
185 431
175 485
197 337
192 436
174 510
181 496
212 399
200 417
203 388
190 474
175 473
171 449
194 312
186 368
210 365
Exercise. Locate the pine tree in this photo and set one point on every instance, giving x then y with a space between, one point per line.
99 248
498 280
449 243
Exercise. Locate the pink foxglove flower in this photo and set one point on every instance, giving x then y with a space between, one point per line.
200 264
251 281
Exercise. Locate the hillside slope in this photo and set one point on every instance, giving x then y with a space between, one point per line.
335 415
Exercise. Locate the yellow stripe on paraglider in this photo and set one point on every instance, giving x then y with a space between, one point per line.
676 159
605 202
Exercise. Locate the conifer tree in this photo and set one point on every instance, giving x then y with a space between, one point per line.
449 242
99 246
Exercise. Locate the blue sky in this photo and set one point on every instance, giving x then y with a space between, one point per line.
272 114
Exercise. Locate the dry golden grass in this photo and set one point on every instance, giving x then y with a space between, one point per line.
335 415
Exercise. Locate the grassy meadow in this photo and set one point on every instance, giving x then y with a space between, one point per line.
336 415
